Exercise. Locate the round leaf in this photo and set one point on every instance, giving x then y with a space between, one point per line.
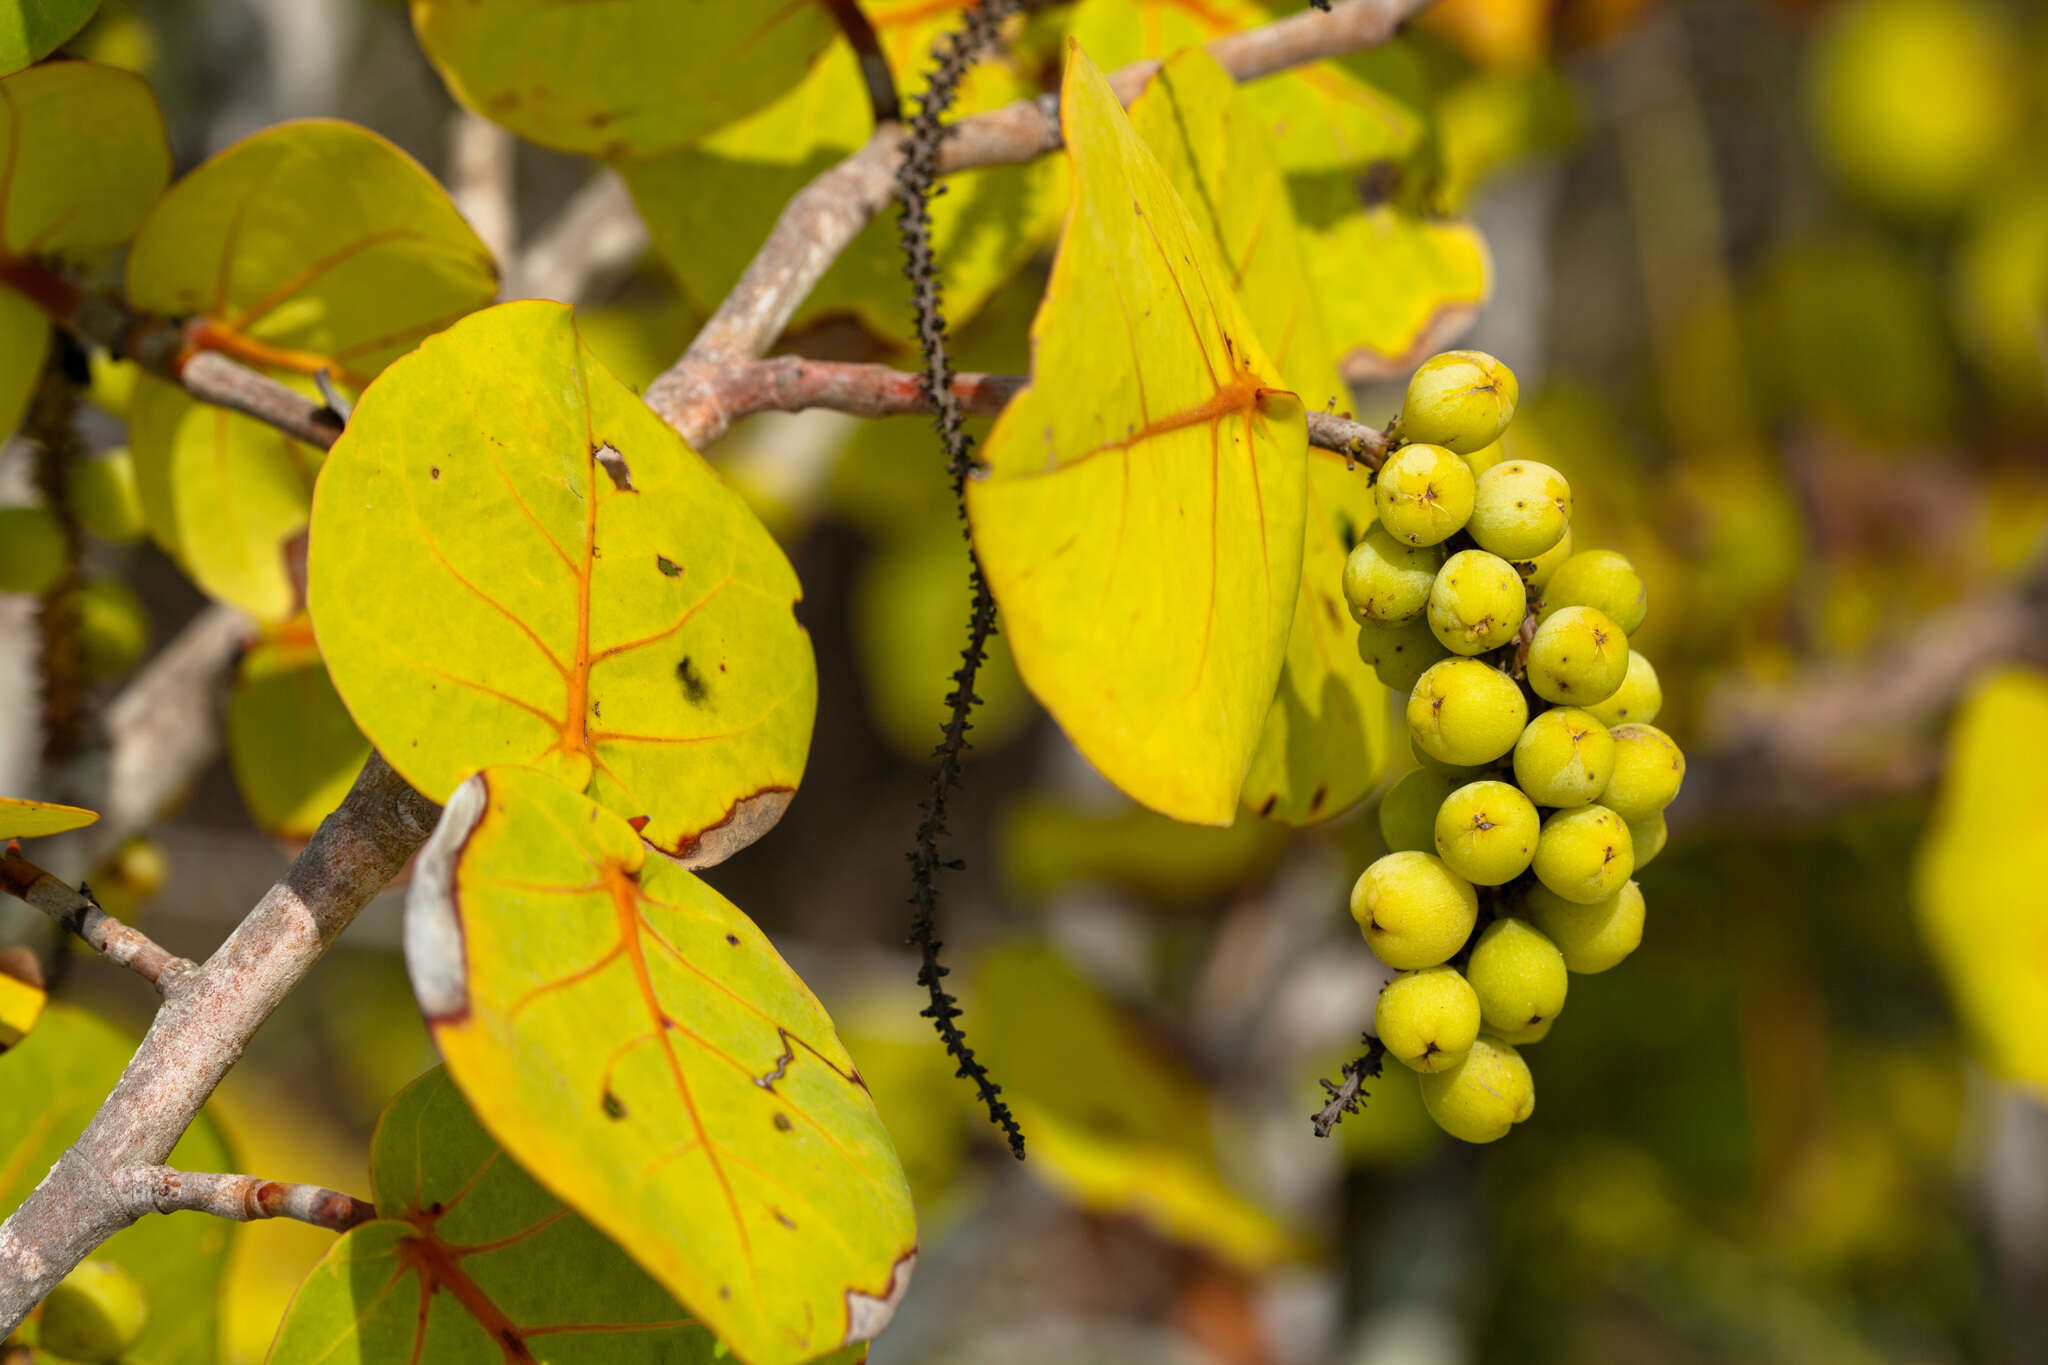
1326 738
514 560
21 819
291 744
54 1082
629 78
1140 518
636 1042
31 30
470 1260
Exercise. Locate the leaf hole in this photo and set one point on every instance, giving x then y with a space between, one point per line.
614 465
668 566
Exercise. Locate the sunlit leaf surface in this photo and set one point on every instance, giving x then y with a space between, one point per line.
470 1260
710 206
624 78
1140 519
1982 869
20 819
311 245
515 561
1116 1125
1326 737
638 1044
82 157
52 1084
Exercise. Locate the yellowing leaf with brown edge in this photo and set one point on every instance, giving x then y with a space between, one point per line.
638 1045
1140 513
622 78
311 245
1326 738
1981 879
513 560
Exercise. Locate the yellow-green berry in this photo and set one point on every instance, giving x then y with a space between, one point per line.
1523 1037
1465 713
1484 458
95 1314
1518 974
1639 698
1585 854
1520 509
1603 579
1401 654
1537 572
1564 758
1413 910
1648 770
1461 399
1387 581
1486 832
1484 1095
1408 810
103 495
1427 1019
1592 937
1476 603
1578 657
113 627
1648 835
1423 494
31 549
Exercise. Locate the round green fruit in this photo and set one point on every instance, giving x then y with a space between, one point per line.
1520 509
1603 579
1648 770
1386 581
1423 494
1523 1037
1465 713
1428 1019
1401 654
1578 657
1476 603
1585 854
113 627
1484 1095
1518 974
1648 835
95 1315
1639 698
1592 937
102 493
32 553
1564 758
1408 810
1413 910
1486 832
1538 572
1462 400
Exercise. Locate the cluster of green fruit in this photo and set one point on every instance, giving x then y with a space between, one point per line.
1541 783
101 494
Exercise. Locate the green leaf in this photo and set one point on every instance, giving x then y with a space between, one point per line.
1398 288
514 560
1116 1125
85 157
23 819
1327 734
469 1259
31 30
1980 870
636 1042
1046 846
632 78
1140 520
710 206
291 744
54 1082
311 245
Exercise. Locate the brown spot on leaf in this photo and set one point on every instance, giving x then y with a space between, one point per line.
668 566
614 1107
749 819
614 465
782 1123
693 686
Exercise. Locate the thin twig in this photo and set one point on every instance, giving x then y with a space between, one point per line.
1347 1093
74 908
249 1198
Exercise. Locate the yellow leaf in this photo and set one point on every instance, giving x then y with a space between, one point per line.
627 78
638 1045
21 819
291 744
1981 879
513 560
1140 516
1326 737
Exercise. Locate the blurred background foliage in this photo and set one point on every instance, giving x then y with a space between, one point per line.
1774 275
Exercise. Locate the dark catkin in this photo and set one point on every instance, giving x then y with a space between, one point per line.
953 56
51 427
1347 1092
